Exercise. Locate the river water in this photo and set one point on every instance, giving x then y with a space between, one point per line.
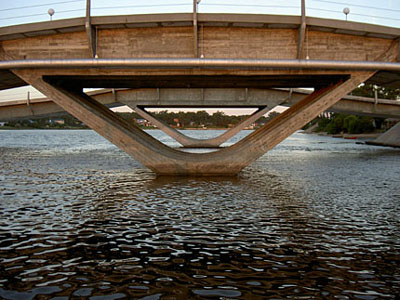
315 218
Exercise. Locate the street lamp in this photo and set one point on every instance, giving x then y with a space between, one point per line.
346 11
51 12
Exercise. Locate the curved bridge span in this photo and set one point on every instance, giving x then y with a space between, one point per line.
206 54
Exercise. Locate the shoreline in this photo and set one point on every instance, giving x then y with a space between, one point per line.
358 136
348 136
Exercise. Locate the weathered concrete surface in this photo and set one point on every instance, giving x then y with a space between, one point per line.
13 110
390 138
164 160
23 109
190 142
219 36
362 106
216 40
202 97
43 107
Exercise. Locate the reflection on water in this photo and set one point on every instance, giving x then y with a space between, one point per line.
314 218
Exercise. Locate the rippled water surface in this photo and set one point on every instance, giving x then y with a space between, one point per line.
316 218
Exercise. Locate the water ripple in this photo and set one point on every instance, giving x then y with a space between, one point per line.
296 224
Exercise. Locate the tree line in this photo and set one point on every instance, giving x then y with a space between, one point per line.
344 123
181 119
199 119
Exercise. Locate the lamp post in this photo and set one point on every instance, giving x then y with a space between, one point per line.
51 12
346 11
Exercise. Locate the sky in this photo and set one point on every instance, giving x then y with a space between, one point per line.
13 12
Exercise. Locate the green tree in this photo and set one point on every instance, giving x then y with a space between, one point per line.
350 124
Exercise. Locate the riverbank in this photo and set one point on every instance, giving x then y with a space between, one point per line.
349 136
361 136
83 128
43 128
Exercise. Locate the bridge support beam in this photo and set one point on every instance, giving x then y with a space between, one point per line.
189 142
167 161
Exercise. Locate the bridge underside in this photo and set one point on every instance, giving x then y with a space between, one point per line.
67 92
198 81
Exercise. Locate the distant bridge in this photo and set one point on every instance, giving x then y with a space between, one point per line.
192 98
210 60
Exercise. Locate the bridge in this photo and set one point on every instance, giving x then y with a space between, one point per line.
201 60
137 99
218 98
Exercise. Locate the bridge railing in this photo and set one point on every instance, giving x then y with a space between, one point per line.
385 12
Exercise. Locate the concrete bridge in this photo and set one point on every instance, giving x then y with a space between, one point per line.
206 60
263 99
191 98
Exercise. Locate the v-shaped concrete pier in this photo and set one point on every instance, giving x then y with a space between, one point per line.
164 160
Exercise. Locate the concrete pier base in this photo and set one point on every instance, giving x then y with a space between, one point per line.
189 142
390 138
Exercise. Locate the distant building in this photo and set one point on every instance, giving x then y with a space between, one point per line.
250 127
57 121
176 120
2 124
143 122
